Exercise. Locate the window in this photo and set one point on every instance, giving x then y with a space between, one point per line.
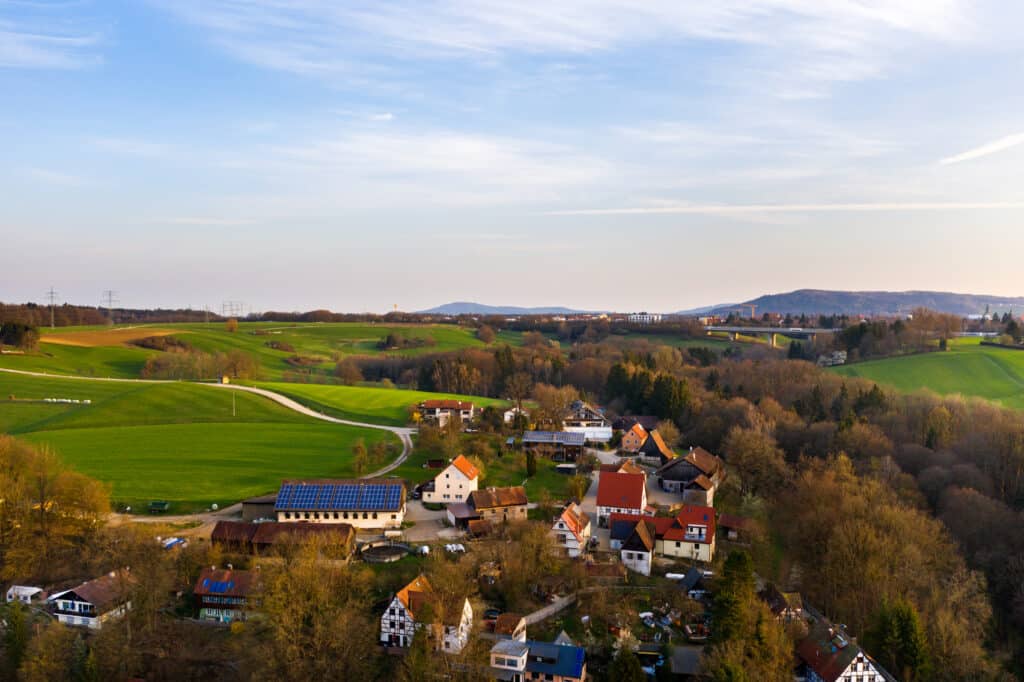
374 514
394 516
678 544
287 515
344 515
305 514
335 516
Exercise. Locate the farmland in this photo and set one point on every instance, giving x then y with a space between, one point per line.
366 404
182 442
968 368
106 352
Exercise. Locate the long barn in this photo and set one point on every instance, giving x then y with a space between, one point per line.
369 503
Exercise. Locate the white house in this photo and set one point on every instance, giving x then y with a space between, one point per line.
372 503
620 493
398 625
454 483
93 603
644 318
572 530
510 414
582 418
829 655
442 411
637 551
689 535
25 594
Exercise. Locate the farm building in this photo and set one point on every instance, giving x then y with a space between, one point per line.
94 602
500 504
696 476
263 537
561 445
223 596
362 503
258 508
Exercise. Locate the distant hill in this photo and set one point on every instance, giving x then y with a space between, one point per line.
704 310
821 302
469 308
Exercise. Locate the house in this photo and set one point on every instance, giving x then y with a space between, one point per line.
830 655
515 661
644 317
510 626
785 606
362 503
499 504
95 602
655 450
633 439
688 535
510 415
448 628
440 412
25 594
454 483
637 551
696 476
259 508
563 446
224 596
572 530
582 418
620 494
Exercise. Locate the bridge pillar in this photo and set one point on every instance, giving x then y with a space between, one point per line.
735 336
774 338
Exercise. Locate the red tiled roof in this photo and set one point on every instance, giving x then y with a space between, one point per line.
674 528
105 591
661 524
626 466
446 405
415 594
575 520
620 490
639 431
491 498
467 468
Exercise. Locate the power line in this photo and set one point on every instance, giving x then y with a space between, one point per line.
52 296
110 297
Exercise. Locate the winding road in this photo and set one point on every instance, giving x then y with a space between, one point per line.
404 433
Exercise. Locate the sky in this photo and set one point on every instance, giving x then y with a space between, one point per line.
608 154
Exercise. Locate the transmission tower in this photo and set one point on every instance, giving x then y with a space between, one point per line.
110 298
232 309
51 295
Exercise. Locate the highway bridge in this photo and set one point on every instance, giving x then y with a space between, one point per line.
771 332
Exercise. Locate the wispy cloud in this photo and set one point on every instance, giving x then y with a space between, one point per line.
201 221
55 177
732 209
31 37
993 147
130 146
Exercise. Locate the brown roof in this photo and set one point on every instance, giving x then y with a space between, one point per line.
105 591
625 491
658 445
736 522
234 532
507 623
296 533
828 651
467 468
626 466
414 595
478 527
642 539
575 519
639 431
447 404
704 460
262 499
491 498
226 583
704 482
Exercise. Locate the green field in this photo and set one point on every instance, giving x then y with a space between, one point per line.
176 441
366 403
323 341
968 368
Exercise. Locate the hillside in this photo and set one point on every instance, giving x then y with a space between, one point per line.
470 308
823 302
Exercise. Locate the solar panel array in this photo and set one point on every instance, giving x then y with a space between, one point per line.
563 437
340 496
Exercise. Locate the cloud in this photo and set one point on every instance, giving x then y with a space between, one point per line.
55 177
739 209
985 149
130 146
203 221
31 40
382 117
806 42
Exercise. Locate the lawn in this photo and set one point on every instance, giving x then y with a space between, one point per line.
365 403
93 351
176 441
968 368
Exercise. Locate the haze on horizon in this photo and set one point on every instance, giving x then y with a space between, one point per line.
597 155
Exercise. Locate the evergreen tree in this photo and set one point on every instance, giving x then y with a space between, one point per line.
625 667
16 637
896 638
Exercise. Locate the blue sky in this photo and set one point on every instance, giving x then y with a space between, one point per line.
602 154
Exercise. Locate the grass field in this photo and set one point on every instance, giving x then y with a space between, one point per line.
177 442
967 368
105 352
366 404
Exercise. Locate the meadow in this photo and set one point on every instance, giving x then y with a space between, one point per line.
967 368
107 352
366 403
185 443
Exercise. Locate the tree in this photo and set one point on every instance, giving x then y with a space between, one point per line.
578 487
625 667
486 334
553 403
759 461
348 372
897 639
531 463
231 325
49 655
16 637
360 458
518 388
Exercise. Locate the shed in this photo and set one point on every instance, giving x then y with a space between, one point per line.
262 507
